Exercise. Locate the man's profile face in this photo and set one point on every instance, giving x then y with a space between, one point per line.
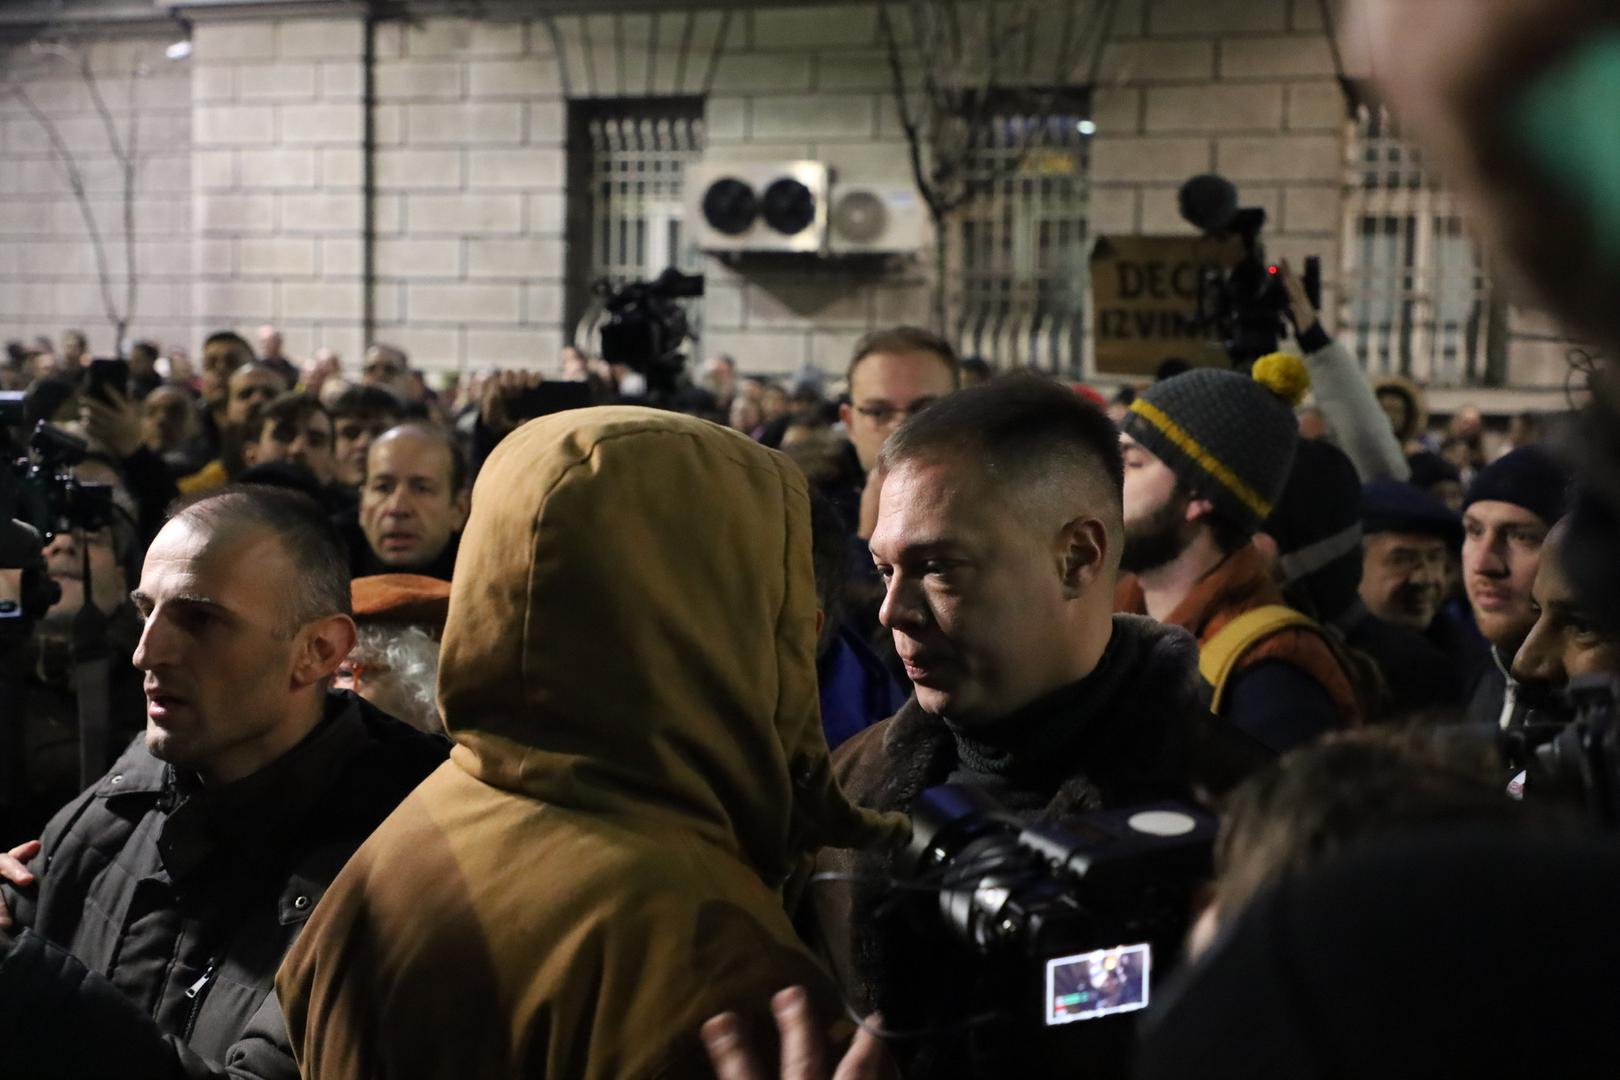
217 648
1156 529
306 441
973 596
353 438
1500 555
408 506
1403 577
885 389
250 390
1566 640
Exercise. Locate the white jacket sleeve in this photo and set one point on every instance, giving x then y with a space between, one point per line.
1352 411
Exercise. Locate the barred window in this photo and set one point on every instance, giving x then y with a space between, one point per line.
627 163
1020 253
1417 300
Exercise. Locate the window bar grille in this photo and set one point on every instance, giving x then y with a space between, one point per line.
1019 258
635 176
1416 299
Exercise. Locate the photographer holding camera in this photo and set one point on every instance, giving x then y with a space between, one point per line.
90 566
998 538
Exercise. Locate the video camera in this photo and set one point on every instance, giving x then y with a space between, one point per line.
646 327
1062 922
1574 758
1245 305
38 490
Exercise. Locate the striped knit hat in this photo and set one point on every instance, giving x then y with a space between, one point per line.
1227 436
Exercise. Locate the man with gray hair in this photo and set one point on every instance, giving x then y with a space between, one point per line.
152 916
395 660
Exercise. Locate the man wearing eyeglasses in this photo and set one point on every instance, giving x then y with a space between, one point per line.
893 374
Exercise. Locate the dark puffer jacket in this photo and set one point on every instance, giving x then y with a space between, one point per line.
181 900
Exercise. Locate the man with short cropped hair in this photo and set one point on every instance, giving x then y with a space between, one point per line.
1568 639
413 505
154 913
250 388
223 353
998 540
893 374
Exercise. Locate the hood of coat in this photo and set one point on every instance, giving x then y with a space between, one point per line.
632 632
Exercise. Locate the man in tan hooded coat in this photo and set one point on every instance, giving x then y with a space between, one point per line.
628 671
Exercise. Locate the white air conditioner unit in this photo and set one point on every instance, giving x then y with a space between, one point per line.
757 205
876 218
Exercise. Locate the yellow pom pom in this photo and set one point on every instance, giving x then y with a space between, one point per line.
1284 375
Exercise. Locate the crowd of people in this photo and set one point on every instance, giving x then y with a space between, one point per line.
1069 606
357 728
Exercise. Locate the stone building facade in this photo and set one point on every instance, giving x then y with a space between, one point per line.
408 180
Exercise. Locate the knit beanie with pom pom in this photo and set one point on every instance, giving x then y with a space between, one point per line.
1227 436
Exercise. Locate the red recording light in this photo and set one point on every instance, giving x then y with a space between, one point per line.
1272 270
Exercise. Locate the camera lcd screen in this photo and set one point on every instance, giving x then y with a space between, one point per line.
1100 983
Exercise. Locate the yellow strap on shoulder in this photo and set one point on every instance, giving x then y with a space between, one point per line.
1218 657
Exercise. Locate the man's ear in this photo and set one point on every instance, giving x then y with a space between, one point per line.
326 643
1198 509
1082 554
844 414
463 507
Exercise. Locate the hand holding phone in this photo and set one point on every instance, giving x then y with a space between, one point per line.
108 380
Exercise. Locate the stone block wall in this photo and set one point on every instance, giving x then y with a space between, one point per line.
253 205
470 127
277 169
49 280
1245 88
471 209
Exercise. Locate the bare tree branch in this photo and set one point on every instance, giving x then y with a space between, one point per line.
126 162
125 153
966 89
70 169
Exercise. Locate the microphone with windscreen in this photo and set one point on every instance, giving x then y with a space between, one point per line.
1208 202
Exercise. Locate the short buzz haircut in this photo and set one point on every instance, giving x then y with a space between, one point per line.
293 407
425 429
364 402
304 530
1022 428
905 339
236 341
259 365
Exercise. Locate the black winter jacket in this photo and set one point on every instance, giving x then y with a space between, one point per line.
181 900
1137 730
